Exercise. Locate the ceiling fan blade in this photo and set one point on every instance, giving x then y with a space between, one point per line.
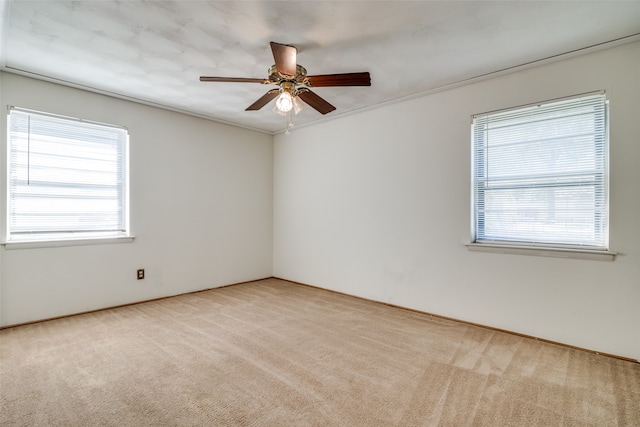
285 57
315 101
232 80
264 100
346 79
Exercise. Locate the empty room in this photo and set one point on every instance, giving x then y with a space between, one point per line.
319 213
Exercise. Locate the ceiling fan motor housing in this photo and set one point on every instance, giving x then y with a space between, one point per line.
277 77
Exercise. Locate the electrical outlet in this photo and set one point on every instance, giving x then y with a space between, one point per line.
141 274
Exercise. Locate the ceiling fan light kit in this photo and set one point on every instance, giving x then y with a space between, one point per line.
294 84
284 103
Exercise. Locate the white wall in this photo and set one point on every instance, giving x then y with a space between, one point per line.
377 205
201 211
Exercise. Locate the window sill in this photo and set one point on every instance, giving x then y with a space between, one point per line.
585 254
69 242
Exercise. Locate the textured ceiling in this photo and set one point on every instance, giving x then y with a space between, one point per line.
155 51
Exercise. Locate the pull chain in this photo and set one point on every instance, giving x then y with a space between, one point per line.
289 122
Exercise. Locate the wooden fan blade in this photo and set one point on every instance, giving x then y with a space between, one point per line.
264 100
232 80
316 101
346 79
285 57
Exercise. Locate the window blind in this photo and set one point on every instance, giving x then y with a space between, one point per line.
540 174
67 178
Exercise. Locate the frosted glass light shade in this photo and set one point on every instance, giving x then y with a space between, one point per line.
284 102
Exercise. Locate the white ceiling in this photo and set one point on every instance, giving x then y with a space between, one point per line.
155 51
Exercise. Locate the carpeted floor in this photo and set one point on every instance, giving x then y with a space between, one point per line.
273 353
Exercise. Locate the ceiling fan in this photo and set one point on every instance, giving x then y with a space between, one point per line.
294 83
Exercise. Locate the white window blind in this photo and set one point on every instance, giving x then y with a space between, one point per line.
67 178
540 174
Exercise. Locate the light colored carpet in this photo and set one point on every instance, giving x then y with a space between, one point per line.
274 353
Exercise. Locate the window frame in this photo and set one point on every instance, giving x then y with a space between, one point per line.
527 246
76 236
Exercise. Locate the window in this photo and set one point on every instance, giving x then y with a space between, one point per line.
67 178
540 175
